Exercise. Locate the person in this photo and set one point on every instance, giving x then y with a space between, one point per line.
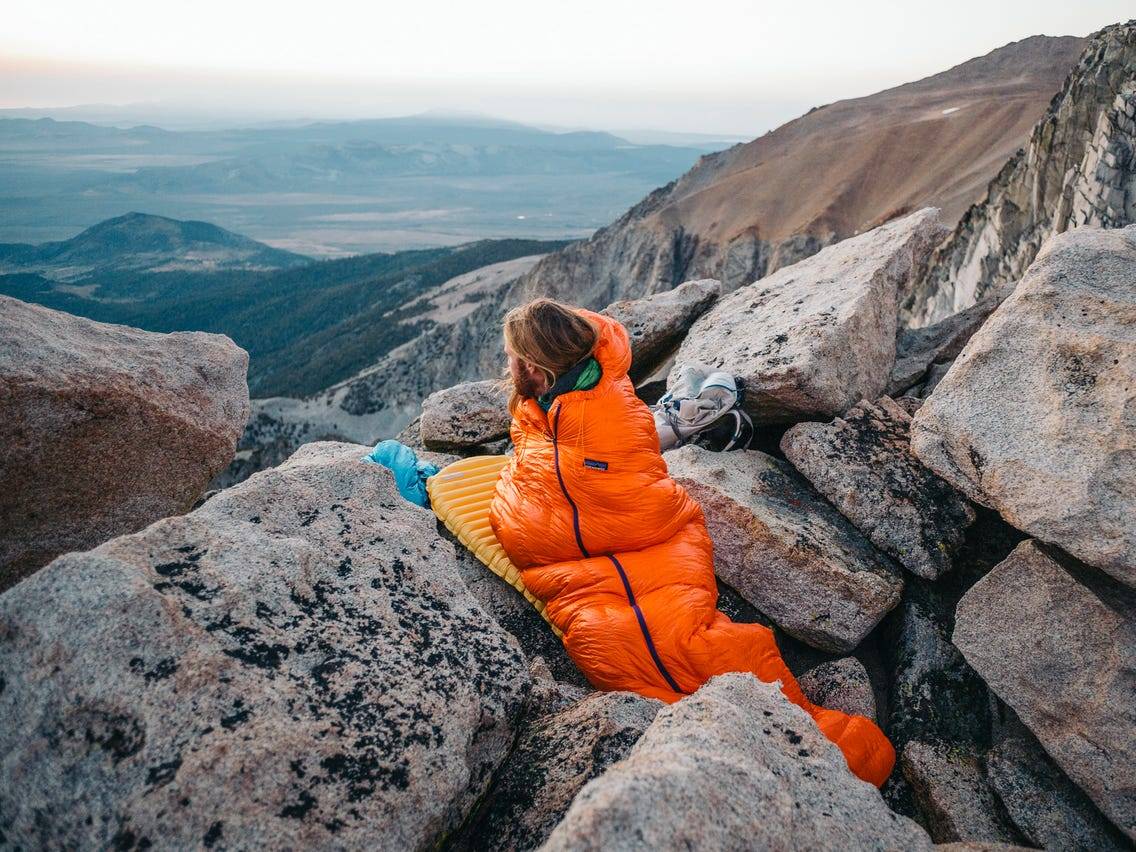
615 548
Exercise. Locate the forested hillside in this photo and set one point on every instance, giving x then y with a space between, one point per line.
341 309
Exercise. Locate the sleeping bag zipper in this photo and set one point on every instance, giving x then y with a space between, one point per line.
619 568
563 487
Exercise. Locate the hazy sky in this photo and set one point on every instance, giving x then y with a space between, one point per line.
716 67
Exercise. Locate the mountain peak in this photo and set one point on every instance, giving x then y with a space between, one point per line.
137 241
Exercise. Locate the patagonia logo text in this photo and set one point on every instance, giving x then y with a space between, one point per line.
597 465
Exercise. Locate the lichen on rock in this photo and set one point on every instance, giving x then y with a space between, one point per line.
296 663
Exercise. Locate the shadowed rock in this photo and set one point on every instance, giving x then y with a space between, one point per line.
787 551
953 793
105 429
841 685
553 759
916 349
733 766
1041 800
549 695
815 337
934 375
1057 642
295 664
1037 417
935 695
862 463
411 434
656 324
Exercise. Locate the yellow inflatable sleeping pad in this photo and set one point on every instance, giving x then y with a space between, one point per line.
460 494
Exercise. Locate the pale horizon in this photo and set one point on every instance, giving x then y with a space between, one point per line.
730 70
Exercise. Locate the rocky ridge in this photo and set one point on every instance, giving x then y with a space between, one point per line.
744 213
957 776
311 630
312 599
1077 169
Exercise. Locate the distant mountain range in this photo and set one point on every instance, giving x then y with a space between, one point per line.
172 117
330 188
138 242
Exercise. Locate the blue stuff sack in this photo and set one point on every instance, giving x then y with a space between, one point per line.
409 474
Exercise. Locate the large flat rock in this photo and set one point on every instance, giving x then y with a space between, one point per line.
105 429
862 463
786 550
296 664
1057 642
657 324
815 337
1037 417
735 766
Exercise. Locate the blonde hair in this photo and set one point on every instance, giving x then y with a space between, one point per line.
551 336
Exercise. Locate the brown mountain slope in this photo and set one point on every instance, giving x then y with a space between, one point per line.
840 169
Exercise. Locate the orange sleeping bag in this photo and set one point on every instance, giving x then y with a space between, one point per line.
619 554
